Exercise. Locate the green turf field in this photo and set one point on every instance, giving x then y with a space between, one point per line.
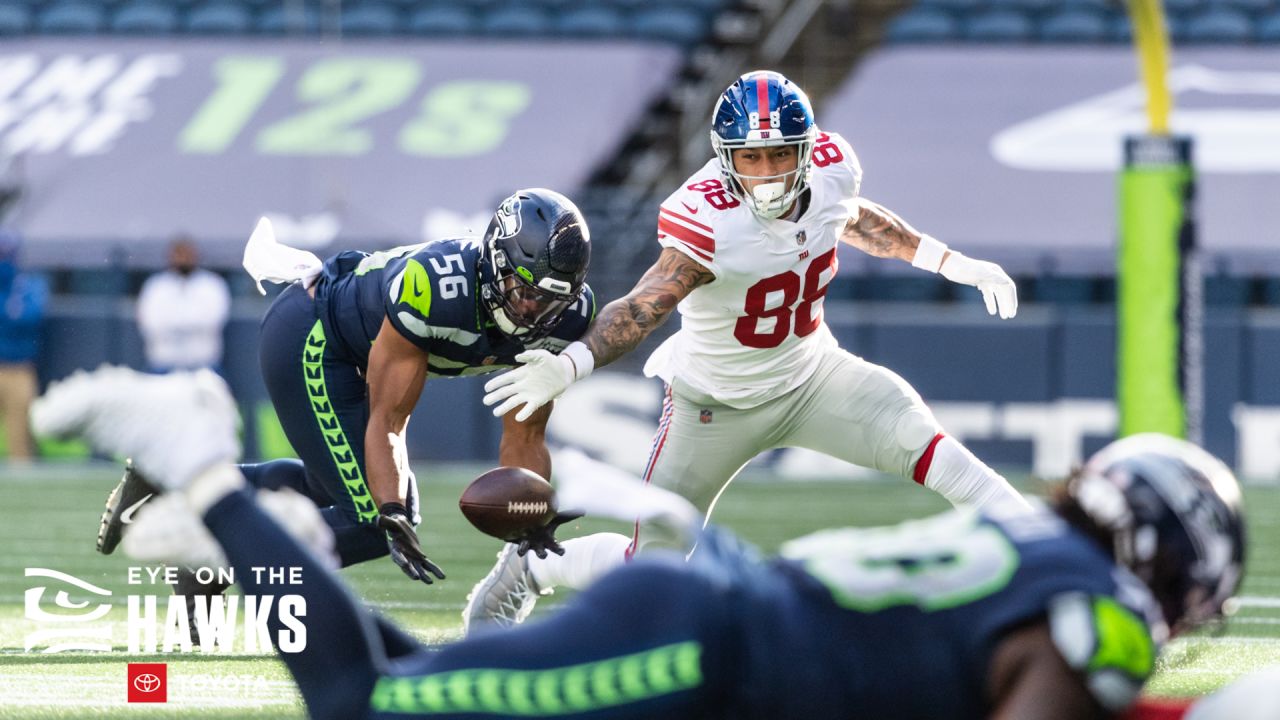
48 518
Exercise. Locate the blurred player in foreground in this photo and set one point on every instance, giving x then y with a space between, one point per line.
749 248
447 308
1054 613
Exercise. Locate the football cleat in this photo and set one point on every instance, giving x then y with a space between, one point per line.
505 596
129 495
174 426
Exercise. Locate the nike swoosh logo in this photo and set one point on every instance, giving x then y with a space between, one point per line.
126 517
692 210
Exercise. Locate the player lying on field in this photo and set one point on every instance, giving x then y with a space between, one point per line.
1054 613
448 308
749 247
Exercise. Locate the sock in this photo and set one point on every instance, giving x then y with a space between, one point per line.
585 559
948 468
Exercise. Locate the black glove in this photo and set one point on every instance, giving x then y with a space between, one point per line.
393 519
544 538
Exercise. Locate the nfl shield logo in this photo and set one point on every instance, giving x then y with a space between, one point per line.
800 238
704 417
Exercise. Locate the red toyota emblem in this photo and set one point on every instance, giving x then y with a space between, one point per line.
147 682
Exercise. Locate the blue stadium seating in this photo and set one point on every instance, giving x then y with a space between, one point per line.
1178 7
223 17
1063 290
1216 25
923 25
1028 6
145 17
369 18
1074 26
1269 28
1098 5
1248 6
999 26
516 19
1226 291
591 21
14 19
669 23
279 20
960 7
443 19
71 17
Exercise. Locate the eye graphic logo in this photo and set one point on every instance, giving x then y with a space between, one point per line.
147 682
67 622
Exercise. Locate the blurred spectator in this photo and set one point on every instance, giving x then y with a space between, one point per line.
22 301
182 312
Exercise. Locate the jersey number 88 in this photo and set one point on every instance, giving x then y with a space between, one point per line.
808 314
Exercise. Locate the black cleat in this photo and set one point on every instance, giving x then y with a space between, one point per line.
122 503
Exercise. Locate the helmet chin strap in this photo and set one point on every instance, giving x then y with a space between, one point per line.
767 196
504 323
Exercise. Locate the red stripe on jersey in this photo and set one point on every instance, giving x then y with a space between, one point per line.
699 243
684 219
762 101
922 465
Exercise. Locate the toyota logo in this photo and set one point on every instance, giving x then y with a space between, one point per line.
146 683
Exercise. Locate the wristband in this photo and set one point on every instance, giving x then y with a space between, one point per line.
580 355
393 508
929 254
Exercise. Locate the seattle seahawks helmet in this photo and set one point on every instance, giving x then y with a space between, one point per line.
1172 511
764 109
534 263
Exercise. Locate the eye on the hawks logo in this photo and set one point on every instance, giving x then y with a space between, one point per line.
147 682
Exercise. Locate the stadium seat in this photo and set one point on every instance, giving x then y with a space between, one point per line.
923 26
1121 30
999 26
1216 25
369 18
14 19
1268 28
1271 291
1027 6
219 18
669 23
443 19
516 20
145 17
1251 7
71 18
279 19
591 21
957 7
1178 7
1098 5
1063 290
1226 291
1074 26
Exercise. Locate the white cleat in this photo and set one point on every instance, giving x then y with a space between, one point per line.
173 426
505 597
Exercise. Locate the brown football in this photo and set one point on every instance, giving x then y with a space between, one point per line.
506 502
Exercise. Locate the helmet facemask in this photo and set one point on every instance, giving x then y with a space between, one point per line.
522 310
771 199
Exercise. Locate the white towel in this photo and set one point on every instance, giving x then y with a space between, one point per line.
266 259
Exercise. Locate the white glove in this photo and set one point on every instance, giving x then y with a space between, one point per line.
541 379
998 290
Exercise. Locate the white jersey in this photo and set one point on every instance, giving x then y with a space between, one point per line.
756 331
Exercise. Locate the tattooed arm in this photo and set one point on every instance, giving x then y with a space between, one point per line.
877 230
625 322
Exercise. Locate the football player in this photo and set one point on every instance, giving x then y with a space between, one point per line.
347 347
1056 612
749 248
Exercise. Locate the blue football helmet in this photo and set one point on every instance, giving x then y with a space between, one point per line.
764 109
1173 513
533 267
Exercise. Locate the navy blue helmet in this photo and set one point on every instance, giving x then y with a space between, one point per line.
1173 513
764 109
534 264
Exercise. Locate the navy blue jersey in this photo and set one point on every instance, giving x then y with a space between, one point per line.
901 622
430 293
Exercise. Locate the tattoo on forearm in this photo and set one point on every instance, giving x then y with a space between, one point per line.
625 322
878 231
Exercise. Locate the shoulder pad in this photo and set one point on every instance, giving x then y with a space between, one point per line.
684 219
1109 644
832 155
431 292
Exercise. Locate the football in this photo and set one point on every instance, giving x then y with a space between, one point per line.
506 502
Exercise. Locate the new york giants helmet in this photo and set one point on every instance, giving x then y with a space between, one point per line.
1173 513
764 109
534 263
